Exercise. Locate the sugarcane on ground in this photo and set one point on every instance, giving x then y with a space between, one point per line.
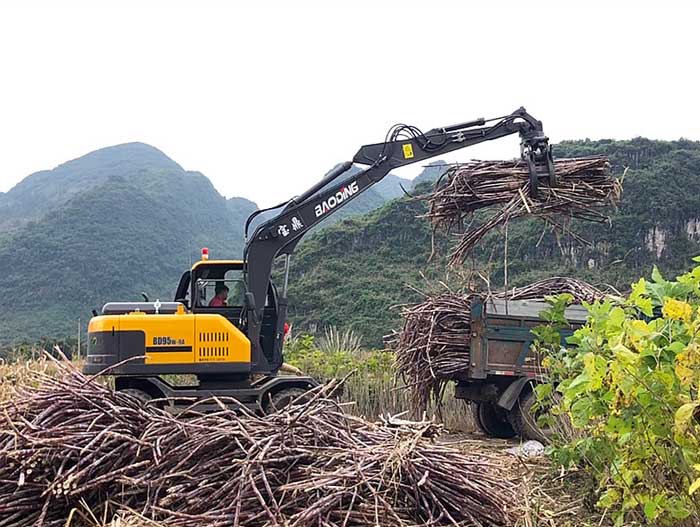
503 489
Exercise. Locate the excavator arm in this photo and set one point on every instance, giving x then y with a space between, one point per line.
404 145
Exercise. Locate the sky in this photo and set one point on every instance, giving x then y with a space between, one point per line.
264 100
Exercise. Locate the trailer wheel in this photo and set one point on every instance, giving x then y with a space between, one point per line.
494 420
282 399
524 420
474 411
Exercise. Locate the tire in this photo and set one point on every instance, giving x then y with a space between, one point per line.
474 409
524 421
282 399
494 420
142 397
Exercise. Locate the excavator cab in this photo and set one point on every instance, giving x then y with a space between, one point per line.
198 287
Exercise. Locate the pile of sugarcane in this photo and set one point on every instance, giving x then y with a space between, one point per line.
585 187
69 444
432 347
579 290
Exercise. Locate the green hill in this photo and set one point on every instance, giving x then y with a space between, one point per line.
47 190
110 242
351 273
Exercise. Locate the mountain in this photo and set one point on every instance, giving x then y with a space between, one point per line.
110 224
387 189
240 209
351 274
44 191
430 172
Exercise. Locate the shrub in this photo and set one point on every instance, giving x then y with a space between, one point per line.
628 382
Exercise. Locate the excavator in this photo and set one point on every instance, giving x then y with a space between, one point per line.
225 328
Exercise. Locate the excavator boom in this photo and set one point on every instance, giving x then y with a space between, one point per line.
404 145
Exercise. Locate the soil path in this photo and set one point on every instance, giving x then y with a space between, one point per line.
550 498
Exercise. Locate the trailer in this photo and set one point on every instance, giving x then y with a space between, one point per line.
503 368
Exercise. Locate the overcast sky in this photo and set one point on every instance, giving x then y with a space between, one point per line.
264 100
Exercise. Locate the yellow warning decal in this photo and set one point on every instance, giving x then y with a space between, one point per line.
407 151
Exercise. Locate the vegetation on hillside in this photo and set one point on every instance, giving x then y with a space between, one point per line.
48 190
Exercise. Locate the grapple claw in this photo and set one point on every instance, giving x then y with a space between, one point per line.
537 153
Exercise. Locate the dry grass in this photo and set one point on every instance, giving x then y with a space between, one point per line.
83 517
19 373
549 498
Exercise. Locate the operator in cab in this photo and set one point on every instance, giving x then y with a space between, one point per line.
220 296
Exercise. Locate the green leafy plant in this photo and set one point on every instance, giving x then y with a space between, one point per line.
334 340
628 382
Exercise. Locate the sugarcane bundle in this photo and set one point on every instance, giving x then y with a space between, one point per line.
579 290
432 347
586 186
68 443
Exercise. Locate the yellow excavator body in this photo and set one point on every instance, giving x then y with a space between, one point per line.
180 338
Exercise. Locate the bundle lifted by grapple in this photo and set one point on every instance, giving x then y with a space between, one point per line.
233 345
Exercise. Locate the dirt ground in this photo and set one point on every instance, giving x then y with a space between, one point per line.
550 498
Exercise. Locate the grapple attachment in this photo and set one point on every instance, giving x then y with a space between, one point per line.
537 153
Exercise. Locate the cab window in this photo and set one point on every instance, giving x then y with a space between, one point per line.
221 292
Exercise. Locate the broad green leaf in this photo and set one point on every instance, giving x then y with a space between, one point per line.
616 316
676 347
625 355
594 367
639 288
650 510
645 306
679 512
656 276
666 378
578 385
608 498
581 412
683 416
543 390
695 485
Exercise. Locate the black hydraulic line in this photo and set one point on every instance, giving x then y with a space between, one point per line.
331 176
